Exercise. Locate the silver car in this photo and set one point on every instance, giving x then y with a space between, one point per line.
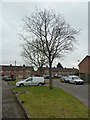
76 80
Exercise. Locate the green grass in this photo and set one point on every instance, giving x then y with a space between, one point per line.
12 83
40 102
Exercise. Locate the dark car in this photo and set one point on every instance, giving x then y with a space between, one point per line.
65 79
47 77
55 77
9 78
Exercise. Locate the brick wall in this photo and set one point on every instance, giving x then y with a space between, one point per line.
84 66
84 69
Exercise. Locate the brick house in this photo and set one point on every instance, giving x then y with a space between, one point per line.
84 69
59 71
26 71
18 71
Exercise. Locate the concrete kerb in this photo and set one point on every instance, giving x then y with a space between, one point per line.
19 102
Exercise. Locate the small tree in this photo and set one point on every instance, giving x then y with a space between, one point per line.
52 33
59 65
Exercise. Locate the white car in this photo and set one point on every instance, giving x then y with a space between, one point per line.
31 81
76 80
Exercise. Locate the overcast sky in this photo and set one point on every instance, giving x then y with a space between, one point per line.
75 13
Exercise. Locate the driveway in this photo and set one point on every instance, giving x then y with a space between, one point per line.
10 107
79 91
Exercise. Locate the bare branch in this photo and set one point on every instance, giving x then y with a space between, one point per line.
52 37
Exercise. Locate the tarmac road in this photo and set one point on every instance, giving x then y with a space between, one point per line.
10 107
79 91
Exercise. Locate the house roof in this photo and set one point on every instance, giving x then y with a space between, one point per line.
15 68
87 57
54 69
63 69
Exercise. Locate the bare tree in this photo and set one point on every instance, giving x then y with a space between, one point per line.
34 56
50 31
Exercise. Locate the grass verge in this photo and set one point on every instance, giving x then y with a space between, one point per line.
13 83
40 102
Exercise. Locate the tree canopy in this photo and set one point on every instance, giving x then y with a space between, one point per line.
49 34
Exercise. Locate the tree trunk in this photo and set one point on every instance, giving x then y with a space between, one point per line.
41 72
50 74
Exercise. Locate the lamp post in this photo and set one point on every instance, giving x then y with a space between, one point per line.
78 66
23 71
15 62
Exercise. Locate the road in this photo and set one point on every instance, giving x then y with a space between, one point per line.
10 107
79 91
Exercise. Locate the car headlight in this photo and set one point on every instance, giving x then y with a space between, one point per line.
17 84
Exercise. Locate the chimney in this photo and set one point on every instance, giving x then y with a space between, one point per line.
23 65
10 64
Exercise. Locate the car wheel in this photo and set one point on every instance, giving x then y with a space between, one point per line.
69 82
75 83
39 84
21 85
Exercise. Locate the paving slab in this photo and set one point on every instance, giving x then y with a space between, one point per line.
10 107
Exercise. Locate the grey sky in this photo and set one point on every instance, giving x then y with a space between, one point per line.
75 13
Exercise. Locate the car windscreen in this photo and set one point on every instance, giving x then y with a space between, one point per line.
76 77
66 77
28 79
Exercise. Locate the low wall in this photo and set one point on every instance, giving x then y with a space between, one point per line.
85 77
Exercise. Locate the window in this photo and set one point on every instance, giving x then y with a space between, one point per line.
30 79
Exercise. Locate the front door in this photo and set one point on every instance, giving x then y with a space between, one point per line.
28 82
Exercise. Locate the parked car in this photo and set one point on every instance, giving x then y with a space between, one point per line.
31 81
47 77
9 78
59 76
55 77
76 80
65 79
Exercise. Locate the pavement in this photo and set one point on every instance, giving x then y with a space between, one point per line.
79 91
0 100
10 107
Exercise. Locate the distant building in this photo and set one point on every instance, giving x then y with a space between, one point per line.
84 69
18 71
26 71
59 71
